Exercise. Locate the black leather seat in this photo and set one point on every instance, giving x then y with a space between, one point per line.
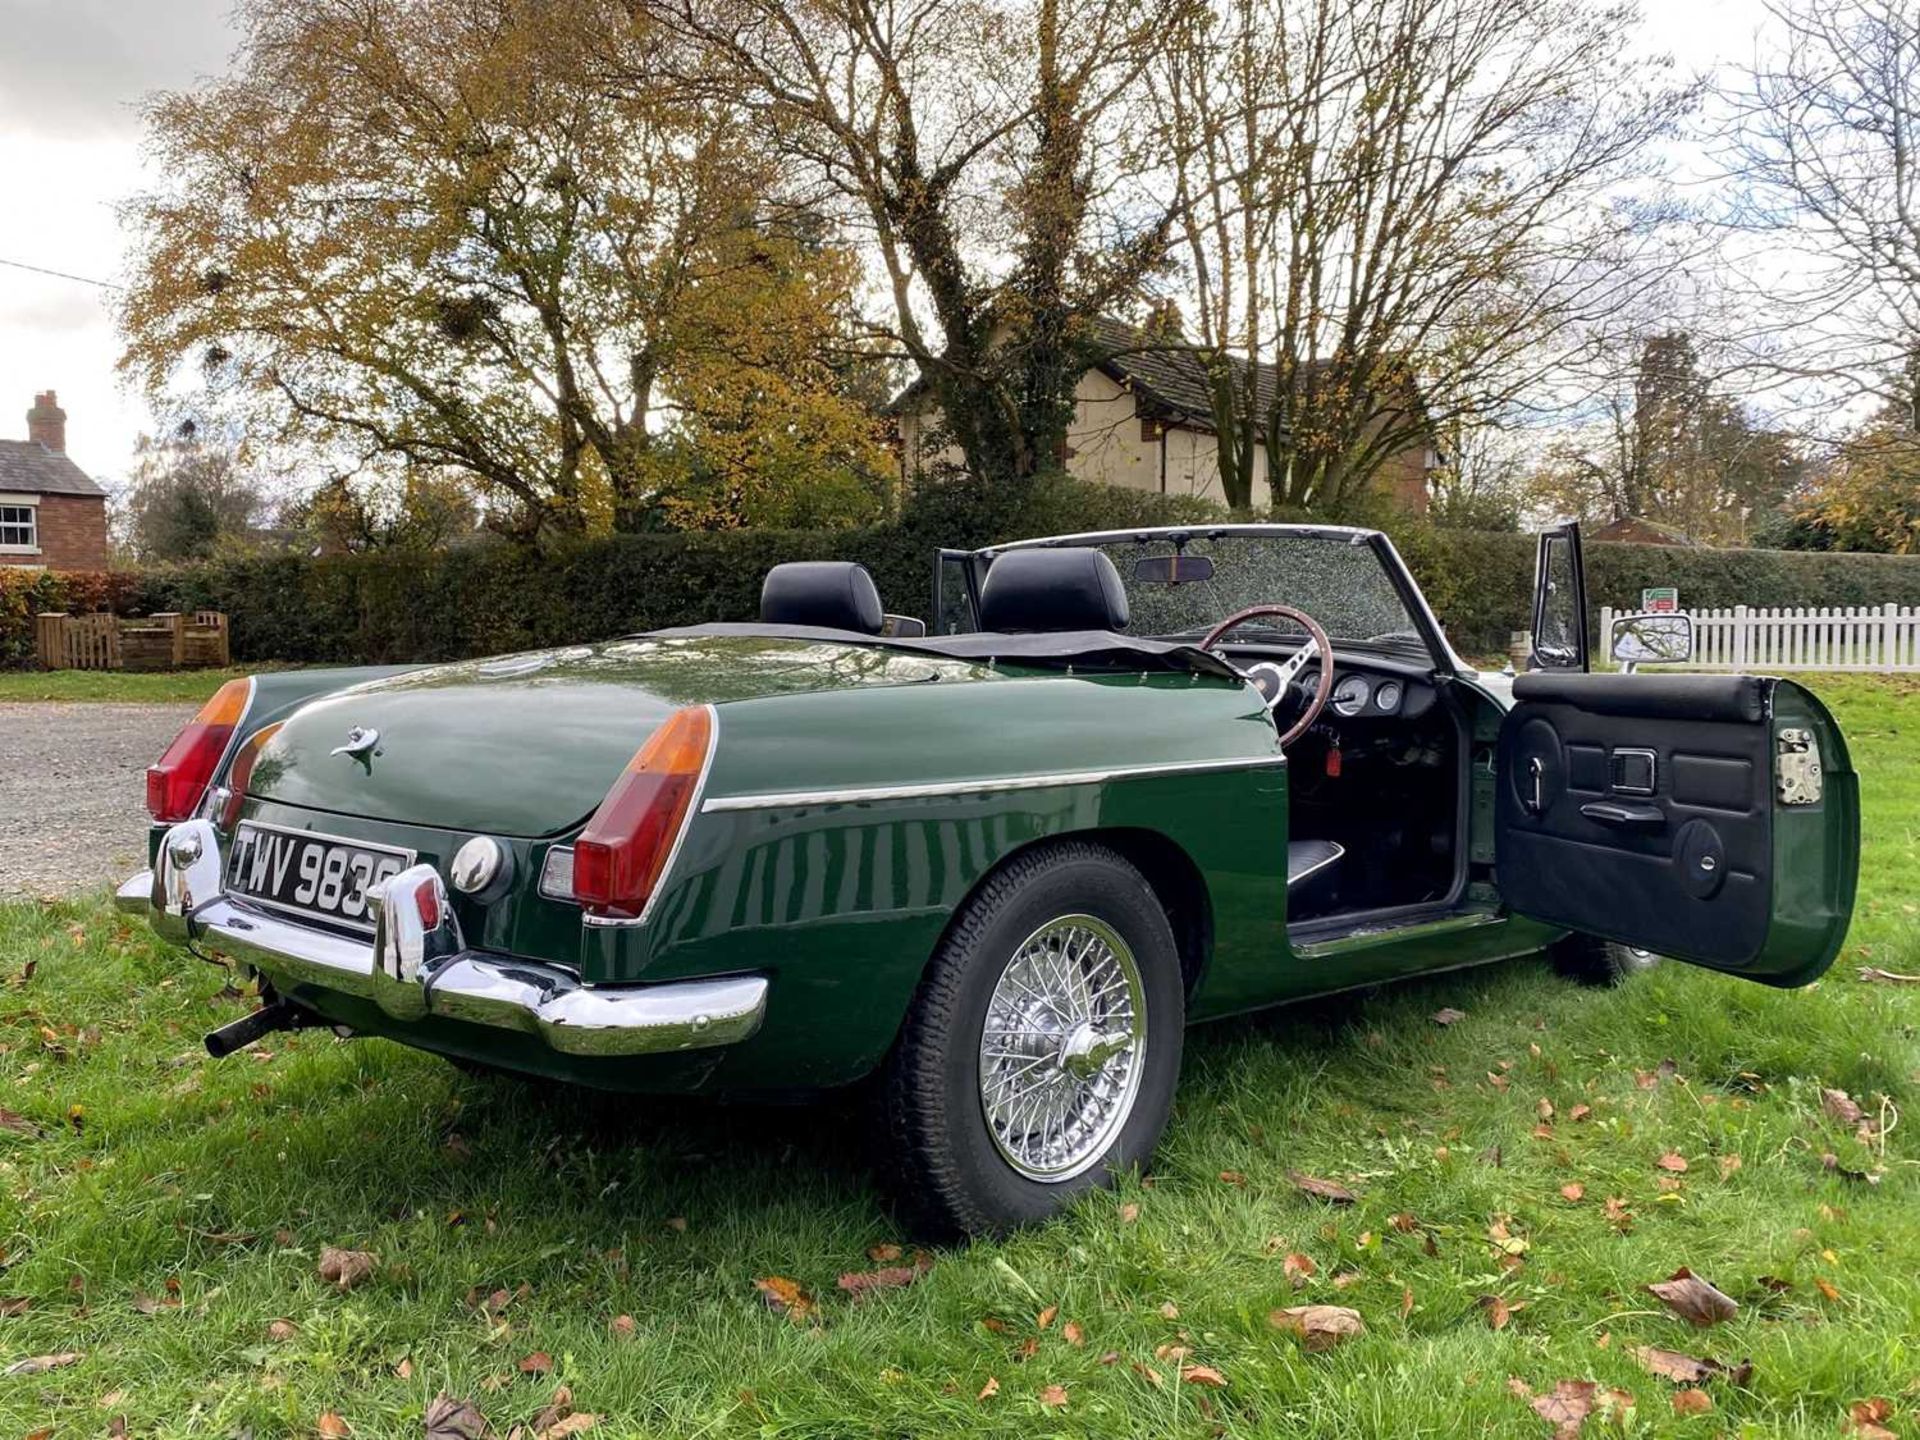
835 594
1074 587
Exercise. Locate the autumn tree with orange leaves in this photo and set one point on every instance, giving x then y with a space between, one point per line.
414 235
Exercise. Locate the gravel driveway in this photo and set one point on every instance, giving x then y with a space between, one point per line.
73 792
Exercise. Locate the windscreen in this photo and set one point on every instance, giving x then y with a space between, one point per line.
1338 581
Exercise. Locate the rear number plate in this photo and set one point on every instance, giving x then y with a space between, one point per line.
317 875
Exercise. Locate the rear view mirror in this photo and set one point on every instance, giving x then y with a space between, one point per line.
1663 639
1173 569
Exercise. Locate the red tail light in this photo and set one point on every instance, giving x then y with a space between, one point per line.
619 857
175 785
240 773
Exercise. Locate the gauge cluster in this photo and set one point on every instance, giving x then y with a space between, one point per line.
1357 695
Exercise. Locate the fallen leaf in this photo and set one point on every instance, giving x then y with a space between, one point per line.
1406 1301
1689 1369
1691 1402
1171 1351
1322 1189
282 1330
1320 1327
1072 1333
988 1390
1874 975
883 1254
1169 1311
1112 1357
346 1268
538 1363
1694 1299
1232 1177
1543 1107
677 1224
1580 1112
1826 1287
404 1370
623 1326
1203 1375
1618 1215
1841 1107
1448 1016
1299 1268
1054 1396
1404 1222
785 1297
1026 1350
571 1425
154 1304
862 1283
1129 1213
1045 1317
1728 1164
331 1427
1497 1080
1499 1310
1149 1374
1567 1408
12 1305
1867 1419
1674 1162
1575 1192
39 1364
18 1123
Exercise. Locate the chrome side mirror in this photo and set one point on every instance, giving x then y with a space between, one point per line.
902 627
1663 639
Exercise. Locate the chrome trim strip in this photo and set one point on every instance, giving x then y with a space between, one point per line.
864 794
694 807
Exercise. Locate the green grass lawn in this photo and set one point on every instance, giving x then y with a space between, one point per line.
96 685
167 1221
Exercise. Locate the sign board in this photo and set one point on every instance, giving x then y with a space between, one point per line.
1660 600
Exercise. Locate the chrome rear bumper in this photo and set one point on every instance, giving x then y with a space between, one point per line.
417 964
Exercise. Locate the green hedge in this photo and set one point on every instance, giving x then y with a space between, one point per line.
487 599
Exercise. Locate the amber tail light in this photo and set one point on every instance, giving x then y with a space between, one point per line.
620 856
176 784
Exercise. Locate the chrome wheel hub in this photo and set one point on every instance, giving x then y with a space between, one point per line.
1062 1049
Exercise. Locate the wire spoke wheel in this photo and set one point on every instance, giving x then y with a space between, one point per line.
1062 1048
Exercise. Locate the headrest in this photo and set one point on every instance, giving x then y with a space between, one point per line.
837 594
1072 588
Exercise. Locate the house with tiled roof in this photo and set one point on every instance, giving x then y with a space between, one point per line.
52 515
1143 419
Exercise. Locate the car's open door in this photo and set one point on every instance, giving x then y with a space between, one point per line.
1711 818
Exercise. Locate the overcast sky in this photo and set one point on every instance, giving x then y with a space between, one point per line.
71 75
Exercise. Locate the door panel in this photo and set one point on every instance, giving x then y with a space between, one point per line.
1650 810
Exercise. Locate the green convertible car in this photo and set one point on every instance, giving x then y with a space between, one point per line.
1132 780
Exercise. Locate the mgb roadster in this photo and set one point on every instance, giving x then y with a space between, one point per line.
1128 782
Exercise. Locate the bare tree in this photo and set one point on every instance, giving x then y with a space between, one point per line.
1403 212
986 147
1823 149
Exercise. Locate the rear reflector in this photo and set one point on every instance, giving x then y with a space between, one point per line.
176 784
620 856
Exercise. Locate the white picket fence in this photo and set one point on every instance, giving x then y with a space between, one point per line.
1758 637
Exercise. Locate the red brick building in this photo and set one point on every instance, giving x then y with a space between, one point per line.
51 513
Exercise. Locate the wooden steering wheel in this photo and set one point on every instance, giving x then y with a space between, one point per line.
1281 677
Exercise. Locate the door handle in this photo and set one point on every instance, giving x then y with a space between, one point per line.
1624 816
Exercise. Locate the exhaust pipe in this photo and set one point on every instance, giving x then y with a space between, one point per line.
238 1034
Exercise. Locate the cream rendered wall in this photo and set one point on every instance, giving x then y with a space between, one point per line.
1104 438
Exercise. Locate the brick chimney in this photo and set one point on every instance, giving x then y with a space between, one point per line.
47 423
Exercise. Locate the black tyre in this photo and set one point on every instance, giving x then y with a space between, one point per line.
1040 1053
1589 960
